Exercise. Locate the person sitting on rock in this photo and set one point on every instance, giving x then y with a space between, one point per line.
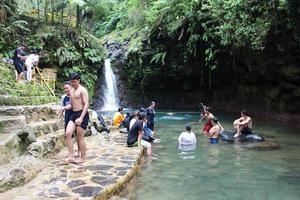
119 118
187 139
149 134
243 125
208 116
134 118
135 135
215 131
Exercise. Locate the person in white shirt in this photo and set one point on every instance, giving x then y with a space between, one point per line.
31 61
133 120
187 140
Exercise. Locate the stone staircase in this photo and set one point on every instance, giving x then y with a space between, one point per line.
12 93
27 135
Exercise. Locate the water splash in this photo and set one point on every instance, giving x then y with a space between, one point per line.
110 92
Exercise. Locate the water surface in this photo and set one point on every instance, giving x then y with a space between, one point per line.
222 171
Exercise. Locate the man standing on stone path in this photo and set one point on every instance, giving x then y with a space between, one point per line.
79 118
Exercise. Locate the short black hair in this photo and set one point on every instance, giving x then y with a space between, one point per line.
67 83
188 127
142 116
120 109
245 112
74 76
215 120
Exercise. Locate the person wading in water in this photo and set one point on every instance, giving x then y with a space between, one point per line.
208 116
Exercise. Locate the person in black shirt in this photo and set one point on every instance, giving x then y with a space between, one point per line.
19 58
135 135
150 115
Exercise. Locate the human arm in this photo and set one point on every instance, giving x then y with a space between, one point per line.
237 121
244 122
179 138
140 136
85 102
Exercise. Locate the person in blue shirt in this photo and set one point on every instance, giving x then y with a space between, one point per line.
66 100
150 115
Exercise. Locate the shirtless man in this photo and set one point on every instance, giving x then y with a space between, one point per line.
243 124
79 118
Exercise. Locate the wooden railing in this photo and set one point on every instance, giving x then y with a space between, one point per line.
45 77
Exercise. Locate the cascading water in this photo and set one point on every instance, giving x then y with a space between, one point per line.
110 92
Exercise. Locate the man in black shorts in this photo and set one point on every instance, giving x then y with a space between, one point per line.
19 58
79 118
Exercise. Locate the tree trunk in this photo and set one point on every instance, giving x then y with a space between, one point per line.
78 17
38 10
62 15
52 12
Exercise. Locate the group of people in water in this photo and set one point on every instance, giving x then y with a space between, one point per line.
139 125
213 129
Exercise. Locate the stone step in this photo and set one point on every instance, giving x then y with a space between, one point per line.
32 113
11 146
38 129
24 92
8 123
19 171
9 100
47 145
108 167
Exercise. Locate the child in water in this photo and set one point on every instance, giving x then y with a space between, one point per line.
187 139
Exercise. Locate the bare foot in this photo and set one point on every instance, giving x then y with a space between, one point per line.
69 160
79 160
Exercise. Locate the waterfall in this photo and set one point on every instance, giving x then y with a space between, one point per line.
110 92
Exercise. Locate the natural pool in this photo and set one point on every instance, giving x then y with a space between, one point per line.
222 171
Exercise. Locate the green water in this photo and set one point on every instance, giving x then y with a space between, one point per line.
222 171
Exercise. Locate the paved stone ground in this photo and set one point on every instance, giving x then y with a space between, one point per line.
108 167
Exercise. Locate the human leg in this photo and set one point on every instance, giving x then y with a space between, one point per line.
29 73
69 132
239 129
81 143
148 147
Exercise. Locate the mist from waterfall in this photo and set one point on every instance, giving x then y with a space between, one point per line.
110 91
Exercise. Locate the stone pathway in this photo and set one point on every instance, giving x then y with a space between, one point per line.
109 166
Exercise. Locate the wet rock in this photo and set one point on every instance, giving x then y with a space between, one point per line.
54 190
87 191
98 179
99 167
75 183
123 168
62 194
104 181
121 173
